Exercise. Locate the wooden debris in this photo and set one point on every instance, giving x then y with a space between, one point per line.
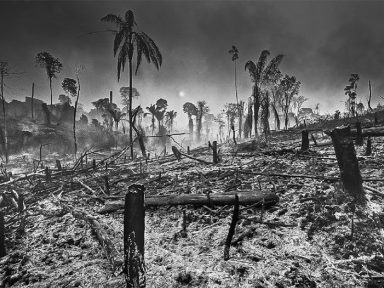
2 236
368 150
217 199
134 227
304 140
231 231
347 161
359 136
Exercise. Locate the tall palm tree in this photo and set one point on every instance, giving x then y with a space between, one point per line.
191 110
70 87
129 39
170 115
152 110
202 109
51 64
235 55
261 75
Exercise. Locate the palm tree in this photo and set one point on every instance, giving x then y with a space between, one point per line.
170 115
152 110
235 55
70 87
350 90
202 109
261 75
51 64
191 110
128 39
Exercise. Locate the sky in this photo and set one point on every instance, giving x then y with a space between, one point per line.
323 42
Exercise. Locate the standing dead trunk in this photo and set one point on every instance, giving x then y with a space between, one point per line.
347 161
370 96
232 228
33 94
134 228
214 152
304 140
368 151
359 137
2 236
256 106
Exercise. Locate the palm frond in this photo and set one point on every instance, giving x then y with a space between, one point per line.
122 58
261 64
271 71
117 42
251 67
111 18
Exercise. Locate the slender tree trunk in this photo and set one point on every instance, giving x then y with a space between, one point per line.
370 96
130 106
256 106
50 88
33 94
4 118
74 116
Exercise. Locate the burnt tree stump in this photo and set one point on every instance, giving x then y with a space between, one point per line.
359 137
368 151
2 236
347 161
58 165
134 227
214 152
177 153
106 184
304 140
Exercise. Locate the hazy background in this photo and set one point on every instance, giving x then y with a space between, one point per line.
323 42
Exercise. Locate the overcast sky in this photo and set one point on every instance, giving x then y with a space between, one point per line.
323 42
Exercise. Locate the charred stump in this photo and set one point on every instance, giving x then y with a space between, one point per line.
134 228
106 183
359 136
235 217
2 236
314 139
368 150
58 164
304 140
347 161
214 152
177 153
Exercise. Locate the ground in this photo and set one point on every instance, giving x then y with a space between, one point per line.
310 238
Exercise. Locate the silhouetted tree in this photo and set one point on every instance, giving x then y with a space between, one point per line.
51 64
289 87
170 116
191 110
202 109
70 86
350 90
128 40
261 75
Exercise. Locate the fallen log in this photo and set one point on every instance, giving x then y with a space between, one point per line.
101 235
218 199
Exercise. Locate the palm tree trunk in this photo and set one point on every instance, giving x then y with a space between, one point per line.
50 88
256 106
130 107
74 117
5 122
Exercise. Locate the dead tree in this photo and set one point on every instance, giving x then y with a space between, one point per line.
214 152
314 139
177 153
359 136
347 161
134 228
232 228
106 183
368 151
304 140
2 236
58 164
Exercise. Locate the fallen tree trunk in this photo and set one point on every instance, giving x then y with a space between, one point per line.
100 233
218 199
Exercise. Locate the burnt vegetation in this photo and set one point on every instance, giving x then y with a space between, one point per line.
265 193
